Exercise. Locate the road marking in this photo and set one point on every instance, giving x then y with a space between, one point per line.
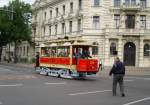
84 93
134 102
128 80
11 85
138 78
6 70
60 83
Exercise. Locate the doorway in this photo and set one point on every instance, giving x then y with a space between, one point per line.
129 54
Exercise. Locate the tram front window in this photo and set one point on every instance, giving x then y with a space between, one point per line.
82 52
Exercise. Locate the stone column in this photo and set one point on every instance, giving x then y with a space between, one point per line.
106 52
141 46
120 49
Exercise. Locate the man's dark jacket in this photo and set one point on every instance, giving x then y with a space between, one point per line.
118 68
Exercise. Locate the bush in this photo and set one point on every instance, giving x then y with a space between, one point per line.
32 60
23 60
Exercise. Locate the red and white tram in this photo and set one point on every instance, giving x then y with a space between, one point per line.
68 59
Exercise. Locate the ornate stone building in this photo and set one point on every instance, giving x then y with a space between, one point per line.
119 27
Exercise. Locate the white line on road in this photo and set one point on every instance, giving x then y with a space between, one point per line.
128 80
134 102
84 93
139 78
60 83
13 85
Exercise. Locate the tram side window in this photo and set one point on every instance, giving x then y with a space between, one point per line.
52 52
63 52
95 50
45 52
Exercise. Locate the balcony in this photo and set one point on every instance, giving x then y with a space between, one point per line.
127 32
130 7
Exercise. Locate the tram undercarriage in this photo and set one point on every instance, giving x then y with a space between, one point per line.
62 73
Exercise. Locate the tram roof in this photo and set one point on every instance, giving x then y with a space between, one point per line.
65 42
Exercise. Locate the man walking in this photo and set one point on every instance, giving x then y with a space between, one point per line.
118 71
37 63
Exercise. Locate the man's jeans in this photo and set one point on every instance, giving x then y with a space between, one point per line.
118 78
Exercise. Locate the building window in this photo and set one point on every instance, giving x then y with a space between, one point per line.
117 3
50 30
130 21
51 14
96 3
56 12
35 17
143 21
146 50
45 15
34 31
27 50
79 25
117 21
133 2
20 51
127 3
70 26
64 9
71 7
56 29
80 4
63 28
24 49
113 49
143 3
44 31
96 22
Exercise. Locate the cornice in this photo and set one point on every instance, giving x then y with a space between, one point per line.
44 4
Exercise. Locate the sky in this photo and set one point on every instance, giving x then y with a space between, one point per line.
5 2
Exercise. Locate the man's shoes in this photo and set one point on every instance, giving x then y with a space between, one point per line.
123 95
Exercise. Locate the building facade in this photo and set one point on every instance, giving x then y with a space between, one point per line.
25 52
119 27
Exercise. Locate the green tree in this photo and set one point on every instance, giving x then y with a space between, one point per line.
5 31
20 28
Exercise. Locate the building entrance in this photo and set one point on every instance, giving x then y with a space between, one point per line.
129 54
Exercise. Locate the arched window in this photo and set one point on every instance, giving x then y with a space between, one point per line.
146 50
113 49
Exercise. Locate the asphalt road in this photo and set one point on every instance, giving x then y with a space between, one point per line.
22 86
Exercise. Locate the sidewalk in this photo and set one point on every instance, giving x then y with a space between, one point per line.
105 72
27 65
129 71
